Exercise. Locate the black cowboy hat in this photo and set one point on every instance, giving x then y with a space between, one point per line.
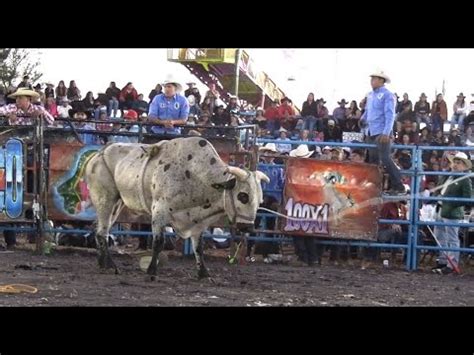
322 101
343 101
72 112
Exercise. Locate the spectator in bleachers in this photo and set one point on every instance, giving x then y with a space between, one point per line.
49 91
64 108
156 91
51 106
286 114
323 113
340 113
140 105
3 100
169 109
448 236
80 114
113 95
61 92
425 136
26 83
193 106
99 110
468 137
233 106
439 113
88 103
10 99
326 153
469 120
358 155
193 90
272 116
221 117
309 113
353 112
422 111
336 154
459 112
206 104
407 129
351 123
260 119
454 137
283 148
213 95
405 105
42 97
332 133
128 95
205 120
73 93
438 138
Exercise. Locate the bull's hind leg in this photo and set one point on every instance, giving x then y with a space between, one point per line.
198 248
105 198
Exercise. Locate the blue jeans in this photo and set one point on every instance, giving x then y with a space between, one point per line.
113 106
310 122
448 238
382 155
437 122
458 118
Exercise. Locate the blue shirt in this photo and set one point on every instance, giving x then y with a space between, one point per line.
174 108
380 111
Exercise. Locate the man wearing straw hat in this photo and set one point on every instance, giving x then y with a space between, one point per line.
169 109
452 212
380 116
23 112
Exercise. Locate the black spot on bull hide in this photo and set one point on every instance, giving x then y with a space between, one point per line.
188 174
190 157
202 143
213 161
167 166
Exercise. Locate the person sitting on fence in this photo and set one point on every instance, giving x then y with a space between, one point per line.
309 113
73 92
113 94
422 111
439 113
169 109
23 112
451 211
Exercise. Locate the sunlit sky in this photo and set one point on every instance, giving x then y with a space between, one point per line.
329 73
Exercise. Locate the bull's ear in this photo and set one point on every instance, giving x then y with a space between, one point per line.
228 185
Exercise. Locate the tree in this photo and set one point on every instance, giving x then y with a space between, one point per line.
16 63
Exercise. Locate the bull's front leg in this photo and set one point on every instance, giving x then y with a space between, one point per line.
157 226
198 248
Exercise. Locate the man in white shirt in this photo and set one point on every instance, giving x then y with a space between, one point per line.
63 109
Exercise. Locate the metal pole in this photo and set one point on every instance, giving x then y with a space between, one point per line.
237 71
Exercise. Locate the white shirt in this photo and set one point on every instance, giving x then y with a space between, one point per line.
63 112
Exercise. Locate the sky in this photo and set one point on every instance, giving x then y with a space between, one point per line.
329 73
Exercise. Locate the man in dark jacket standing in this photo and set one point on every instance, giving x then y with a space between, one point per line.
452 212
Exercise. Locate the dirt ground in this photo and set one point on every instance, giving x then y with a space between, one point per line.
70 277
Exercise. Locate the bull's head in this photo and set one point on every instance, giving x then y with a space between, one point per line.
242 195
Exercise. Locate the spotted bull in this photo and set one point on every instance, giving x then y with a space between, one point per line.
181 182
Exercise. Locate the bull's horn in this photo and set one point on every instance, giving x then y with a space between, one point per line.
240 174
262 177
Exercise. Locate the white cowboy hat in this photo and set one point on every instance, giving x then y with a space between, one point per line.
301 152
327 148
171 80
216 232
269 147
381 74
461 156
282 130
24 92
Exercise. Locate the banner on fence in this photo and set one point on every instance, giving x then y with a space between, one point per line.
334 199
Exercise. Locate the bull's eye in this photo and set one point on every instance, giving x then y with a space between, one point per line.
243 197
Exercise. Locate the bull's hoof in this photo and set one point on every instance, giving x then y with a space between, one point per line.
203 273
150 278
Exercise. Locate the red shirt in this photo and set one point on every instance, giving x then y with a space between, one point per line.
284 109
271 113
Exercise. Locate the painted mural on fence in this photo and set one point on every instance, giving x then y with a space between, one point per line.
70 193
12 187
335 199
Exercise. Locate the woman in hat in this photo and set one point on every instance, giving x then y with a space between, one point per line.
452 212
459 112
24 112
49 91
128 95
